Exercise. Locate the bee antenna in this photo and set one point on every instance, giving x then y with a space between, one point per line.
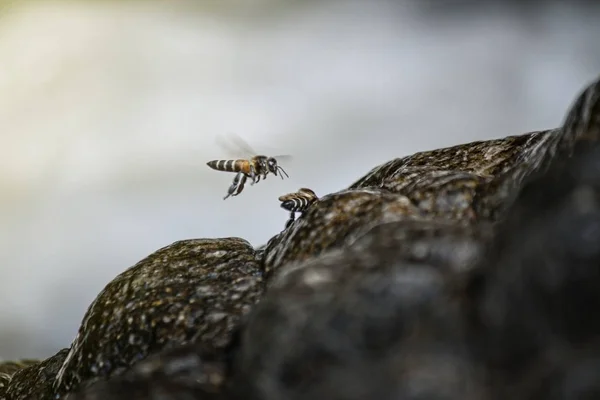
282 170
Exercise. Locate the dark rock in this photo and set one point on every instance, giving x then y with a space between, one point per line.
186 372
452 183
8 369
481 159
574 376
332 220
357 324
453 247
190 291
35 380
536 295
581 128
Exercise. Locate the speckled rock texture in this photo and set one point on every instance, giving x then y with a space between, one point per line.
189 371
42 374
470 272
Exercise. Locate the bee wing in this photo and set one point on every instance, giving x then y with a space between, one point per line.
237 147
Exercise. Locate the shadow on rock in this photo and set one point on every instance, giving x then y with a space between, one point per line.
358 324
536 296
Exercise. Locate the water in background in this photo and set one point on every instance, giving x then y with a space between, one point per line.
109 113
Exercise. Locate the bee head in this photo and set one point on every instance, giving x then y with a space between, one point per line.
272 165
274 168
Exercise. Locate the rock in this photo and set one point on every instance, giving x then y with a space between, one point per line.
34 380
8 369
361 323
479 179
186 372
453 182
468 272
470 182
575 377
536 294
190 291
316 334
332 220
452 247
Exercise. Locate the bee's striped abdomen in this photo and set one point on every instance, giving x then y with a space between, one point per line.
229 165
295 202
292 205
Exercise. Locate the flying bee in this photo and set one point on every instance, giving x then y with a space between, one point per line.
255 168
297 202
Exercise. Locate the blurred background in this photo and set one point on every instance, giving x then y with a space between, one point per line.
109 111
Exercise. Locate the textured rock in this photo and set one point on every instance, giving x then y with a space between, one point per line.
36 379
469 272
8 369
452 247
186 372
479 179
332 220
462 182
357 324
536 294
190 291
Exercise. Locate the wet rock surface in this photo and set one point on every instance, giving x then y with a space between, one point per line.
469 272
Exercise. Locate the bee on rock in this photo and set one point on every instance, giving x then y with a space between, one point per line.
255 168
297 202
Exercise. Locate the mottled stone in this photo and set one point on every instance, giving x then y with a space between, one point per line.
186 372
467 181
536 294
332 220
480 159
451 246
357 324
36 379
190 291
8 369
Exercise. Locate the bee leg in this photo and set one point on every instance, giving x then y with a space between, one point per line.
230 191
253 176
240 185
291 220
235 189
